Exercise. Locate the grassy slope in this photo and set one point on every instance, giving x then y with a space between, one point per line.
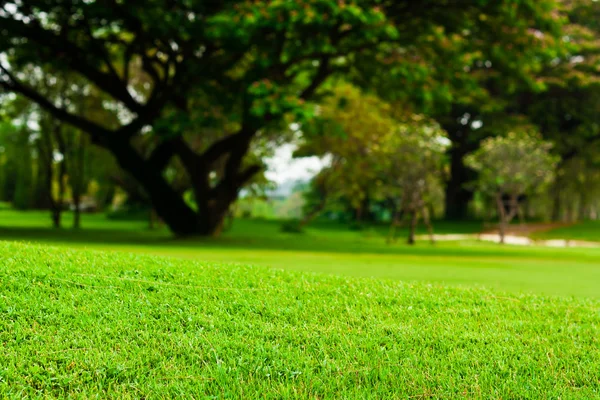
87 324
329 248
588 230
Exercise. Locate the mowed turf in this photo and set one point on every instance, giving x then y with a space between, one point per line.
333 248
586 231
87 324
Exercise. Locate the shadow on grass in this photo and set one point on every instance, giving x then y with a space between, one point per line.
257 235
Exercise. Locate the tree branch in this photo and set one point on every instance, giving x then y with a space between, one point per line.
247 174
322 73
76 57
99 134
222 146
161 155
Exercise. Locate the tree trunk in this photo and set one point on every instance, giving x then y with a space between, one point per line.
311 215
76 212
151 219
413 227
56 218
358 214
457 196
502 217
46 155
78 179
167 203
393 225
583 204
427 221
556 201
570 211
62 176
212 218
213 202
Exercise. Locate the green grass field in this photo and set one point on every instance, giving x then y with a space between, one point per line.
86 324
329 248
587 231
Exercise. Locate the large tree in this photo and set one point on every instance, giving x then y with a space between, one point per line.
557 89
251 62
567 112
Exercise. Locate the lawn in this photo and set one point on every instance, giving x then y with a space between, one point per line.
87 324
587 231
334 249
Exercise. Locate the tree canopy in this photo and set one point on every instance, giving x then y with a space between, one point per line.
510 166
209 81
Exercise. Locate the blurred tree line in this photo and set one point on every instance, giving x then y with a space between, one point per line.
177 104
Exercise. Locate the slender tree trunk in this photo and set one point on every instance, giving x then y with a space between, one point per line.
412 227
527 210
427 221
358 214
59 203
76 212
310 216
430 211
570 211
502 217
151 219
583 203
46 154
229 218
393 226
62 176
78 178
365 209
556 201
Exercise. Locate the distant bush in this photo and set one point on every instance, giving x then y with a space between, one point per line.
292 226
356 226
369 232
130 213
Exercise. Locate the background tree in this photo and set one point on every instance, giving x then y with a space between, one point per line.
377 152
559 95
350 132
566 112
511 166
414 162
472 76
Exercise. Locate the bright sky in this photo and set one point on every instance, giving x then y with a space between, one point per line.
282 167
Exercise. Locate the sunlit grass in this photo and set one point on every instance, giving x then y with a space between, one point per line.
110 325
587 231
332 248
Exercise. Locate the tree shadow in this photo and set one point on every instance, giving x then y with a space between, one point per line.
264 236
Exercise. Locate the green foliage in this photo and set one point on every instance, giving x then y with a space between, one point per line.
87 324
415 160
378 152
352 130
184 70
516 164
474 53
